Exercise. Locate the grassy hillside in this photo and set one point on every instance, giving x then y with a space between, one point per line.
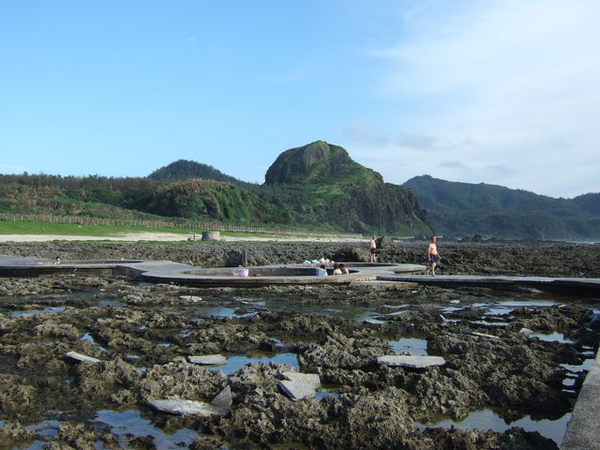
461 209
320 184
317 186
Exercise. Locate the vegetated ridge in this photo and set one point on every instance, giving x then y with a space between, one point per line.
317 186
182 169
321 184
464 209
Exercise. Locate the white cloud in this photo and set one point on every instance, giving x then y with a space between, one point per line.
508 88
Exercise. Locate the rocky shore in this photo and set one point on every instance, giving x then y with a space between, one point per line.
496 355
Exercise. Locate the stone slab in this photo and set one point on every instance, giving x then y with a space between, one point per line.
477 334
297 390
208 360
187 408
81 357
190 298
224 399
310 379
413 362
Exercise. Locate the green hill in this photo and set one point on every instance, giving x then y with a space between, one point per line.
317 186
320 184
183 169
462 209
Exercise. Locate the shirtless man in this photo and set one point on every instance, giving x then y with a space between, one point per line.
432 256
373 249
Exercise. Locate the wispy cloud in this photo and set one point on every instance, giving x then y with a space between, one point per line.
508 88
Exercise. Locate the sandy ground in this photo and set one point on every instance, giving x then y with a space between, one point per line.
146 236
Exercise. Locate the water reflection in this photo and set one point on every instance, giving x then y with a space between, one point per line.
488 420
414 346
237 362
128 424
33 312
552 337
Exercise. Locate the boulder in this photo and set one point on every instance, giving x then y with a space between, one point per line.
297 391
224 399
299 386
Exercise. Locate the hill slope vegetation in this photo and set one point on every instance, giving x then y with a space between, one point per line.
317 186
462 209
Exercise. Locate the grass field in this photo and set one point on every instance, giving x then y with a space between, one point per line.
71 229
66 229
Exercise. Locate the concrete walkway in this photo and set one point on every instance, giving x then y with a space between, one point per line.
581 285
583 430
171 272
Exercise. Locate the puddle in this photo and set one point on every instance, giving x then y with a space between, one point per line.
490 324
237 362
219 312
326 392
90 338
552 337
130 423
397 313
414 346
488 420
33 312
586 365
44 431
115 303
506 307
451 309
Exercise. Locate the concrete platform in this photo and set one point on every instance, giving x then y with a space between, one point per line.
171 272
583 430
580 285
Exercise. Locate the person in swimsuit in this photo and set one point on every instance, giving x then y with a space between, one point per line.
373 249
433 256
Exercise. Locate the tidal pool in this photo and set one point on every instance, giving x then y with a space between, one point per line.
235 363
128 423
488 420
414 346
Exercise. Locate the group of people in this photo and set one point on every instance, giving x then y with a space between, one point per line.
338 269
433 255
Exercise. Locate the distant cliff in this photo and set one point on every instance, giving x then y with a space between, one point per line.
463 209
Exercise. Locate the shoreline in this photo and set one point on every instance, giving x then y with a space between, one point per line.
502 350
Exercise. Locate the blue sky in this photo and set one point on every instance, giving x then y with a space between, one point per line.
495 91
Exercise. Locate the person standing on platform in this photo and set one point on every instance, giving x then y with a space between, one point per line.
433 256
373 249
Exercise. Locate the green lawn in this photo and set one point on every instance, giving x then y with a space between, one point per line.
71 229
67 229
